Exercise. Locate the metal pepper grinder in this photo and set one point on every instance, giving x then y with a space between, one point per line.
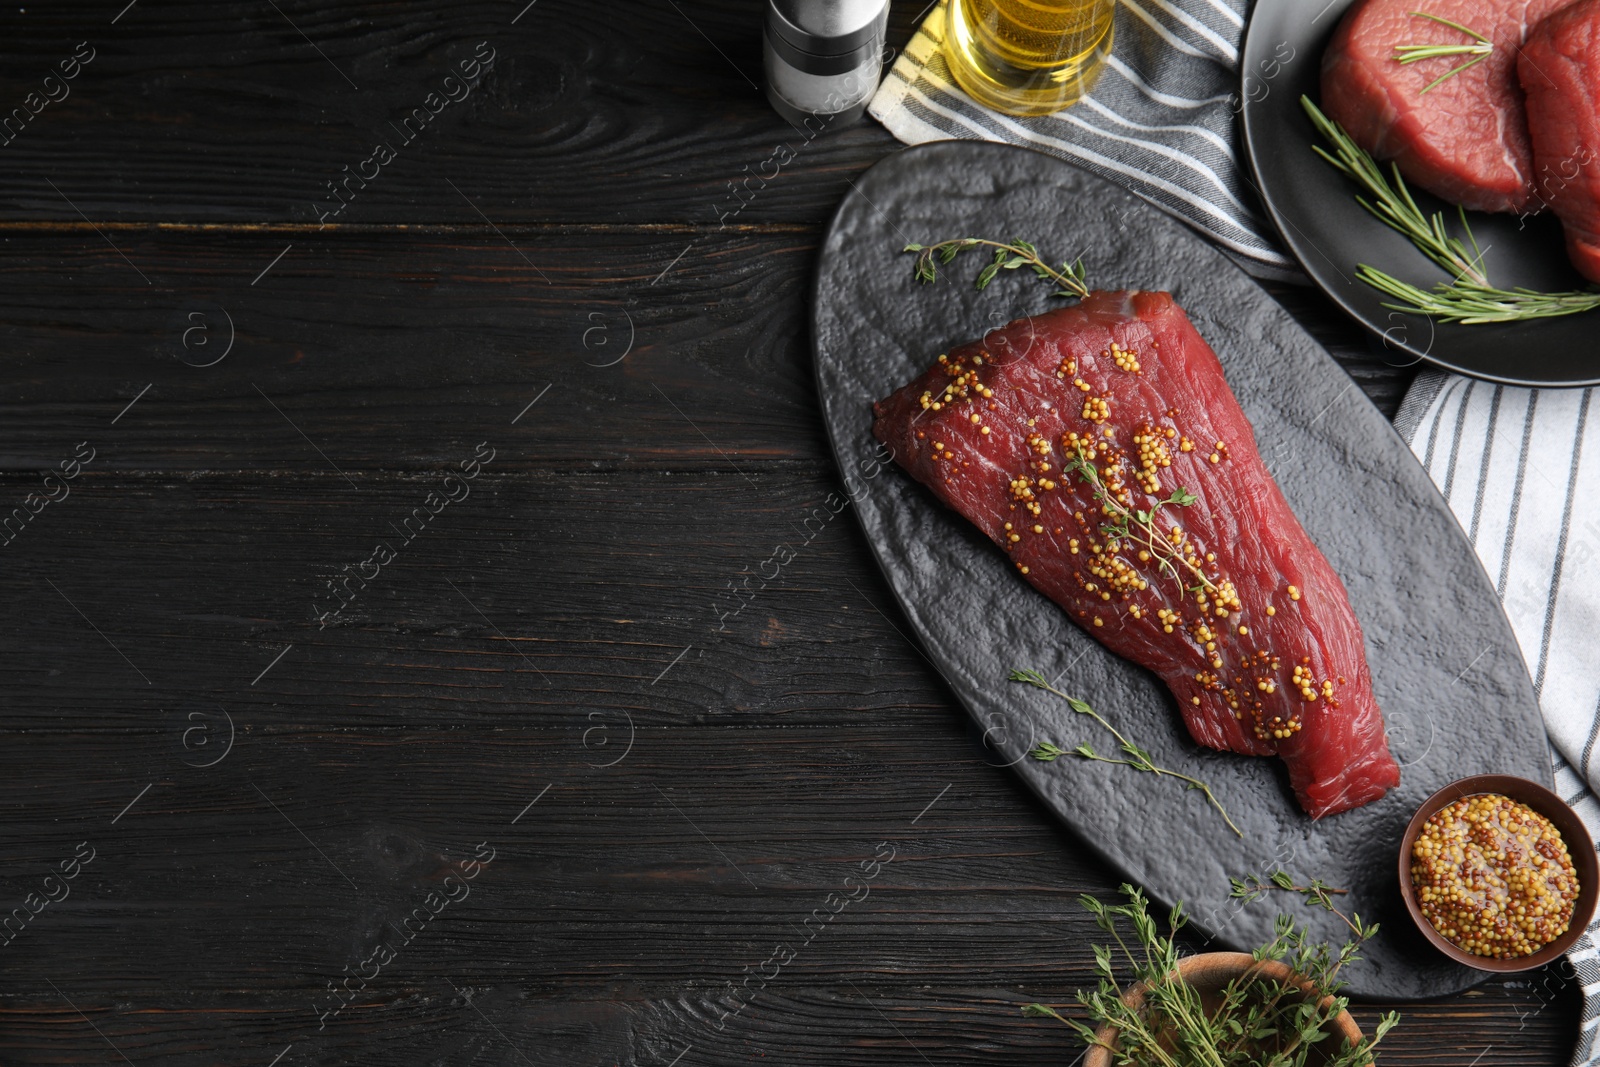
824 59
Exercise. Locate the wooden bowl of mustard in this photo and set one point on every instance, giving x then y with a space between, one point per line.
1498 873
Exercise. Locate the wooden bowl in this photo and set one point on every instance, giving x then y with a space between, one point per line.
1209 973
1546 803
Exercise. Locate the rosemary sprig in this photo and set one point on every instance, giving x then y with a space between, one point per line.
1137 525
1258 1020
1008 255
1469 297
1138 758
1415 53
1468 302
1394 206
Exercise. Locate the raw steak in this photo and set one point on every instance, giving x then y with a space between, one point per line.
1225 597
1560 70
1466 139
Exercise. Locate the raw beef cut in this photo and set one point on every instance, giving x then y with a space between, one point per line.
1101 448
1560 70
1466 139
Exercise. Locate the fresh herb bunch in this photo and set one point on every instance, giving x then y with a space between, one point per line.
1260 1021
1415 53
1137 525
1138 758
1468 297
1008 255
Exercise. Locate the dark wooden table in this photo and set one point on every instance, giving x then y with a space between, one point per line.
525 359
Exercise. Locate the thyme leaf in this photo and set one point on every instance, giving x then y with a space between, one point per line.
1008 255
1253 887
1138 525
1138 758
1256 1020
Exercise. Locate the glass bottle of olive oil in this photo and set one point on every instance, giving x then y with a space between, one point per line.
1027 57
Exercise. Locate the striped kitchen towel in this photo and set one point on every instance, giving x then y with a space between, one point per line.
1159 121
1521 470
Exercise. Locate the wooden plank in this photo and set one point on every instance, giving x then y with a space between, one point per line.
532 596
246 113
305 850
358 352
382 352
845 1025
623 902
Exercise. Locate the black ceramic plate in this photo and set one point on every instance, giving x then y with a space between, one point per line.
1445 665
1315 210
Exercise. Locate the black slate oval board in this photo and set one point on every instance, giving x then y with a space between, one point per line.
1315 210
1445 665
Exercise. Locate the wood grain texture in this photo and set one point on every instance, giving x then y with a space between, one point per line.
660 347
616 910
852 1023
244 113
534 596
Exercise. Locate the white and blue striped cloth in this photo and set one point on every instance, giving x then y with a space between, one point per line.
1521 470
1520 467
1159 121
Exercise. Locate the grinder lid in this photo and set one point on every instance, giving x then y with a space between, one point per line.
827 27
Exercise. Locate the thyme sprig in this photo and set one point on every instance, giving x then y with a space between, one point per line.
1253 887
1260 1020
1416 53
1138 758
1008 255
1469 297
1138 525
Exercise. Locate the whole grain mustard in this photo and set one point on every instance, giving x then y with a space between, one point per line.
1494 877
